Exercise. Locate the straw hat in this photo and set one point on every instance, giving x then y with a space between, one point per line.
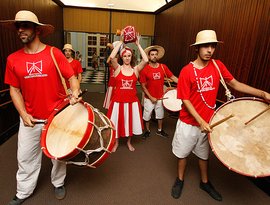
28 16
68 46
160 50
206 36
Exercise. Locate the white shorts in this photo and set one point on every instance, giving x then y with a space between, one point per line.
188 138
149 107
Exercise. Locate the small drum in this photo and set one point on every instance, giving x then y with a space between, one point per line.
129 34
78 134
170 101
244 149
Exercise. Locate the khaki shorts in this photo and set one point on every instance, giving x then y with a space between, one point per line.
149 107
188 138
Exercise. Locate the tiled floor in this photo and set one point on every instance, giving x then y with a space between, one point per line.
93 76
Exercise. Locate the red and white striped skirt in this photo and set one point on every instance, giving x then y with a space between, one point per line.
127 118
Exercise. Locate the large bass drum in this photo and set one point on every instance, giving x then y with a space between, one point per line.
78 134
244 149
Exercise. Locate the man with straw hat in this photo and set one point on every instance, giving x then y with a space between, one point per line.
152 82
36 90
75 64
197 88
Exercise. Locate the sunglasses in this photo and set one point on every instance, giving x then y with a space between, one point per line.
24 25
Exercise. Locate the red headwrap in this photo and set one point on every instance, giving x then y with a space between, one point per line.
125 50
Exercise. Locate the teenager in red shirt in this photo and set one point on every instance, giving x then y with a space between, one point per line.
75 64
36 89
197 88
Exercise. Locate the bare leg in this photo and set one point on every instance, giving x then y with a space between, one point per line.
115 145
159 124
147 125
203 165
130 147
181 168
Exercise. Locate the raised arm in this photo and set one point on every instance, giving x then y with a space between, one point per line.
144 60
113 54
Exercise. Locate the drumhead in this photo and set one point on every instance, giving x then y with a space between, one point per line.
66 130
170 101
244 149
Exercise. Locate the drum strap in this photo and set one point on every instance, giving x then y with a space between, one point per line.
166 75
59 72
227 91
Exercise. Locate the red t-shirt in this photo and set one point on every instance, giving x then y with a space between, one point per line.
77 67
154 79
37 78
208 79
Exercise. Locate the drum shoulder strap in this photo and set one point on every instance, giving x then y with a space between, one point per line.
58 70
165 75
227 92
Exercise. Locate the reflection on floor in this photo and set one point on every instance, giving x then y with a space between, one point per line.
93 76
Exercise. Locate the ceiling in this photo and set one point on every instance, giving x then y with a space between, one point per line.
131 5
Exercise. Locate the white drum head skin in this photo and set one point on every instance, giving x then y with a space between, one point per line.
67 130
170 101
244 149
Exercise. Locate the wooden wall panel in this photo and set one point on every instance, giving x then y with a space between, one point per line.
143 23
243 25
98 21
86 20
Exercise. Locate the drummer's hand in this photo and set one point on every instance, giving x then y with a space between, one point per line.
153 100
266 96
75 97
28 120
205 127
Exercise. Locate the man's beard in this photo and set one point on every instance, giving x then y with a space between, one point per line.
153 61
29 39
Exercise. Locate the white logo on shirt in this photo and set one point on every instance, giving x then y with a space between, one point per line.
34 69
156 76
126 84
206 83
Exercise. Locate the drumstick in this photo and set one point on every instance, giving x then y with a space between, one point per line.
163 98
37 121
221 121
220 101
258 115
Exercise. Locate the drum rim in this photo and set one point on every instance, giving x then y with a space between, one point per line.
212 147
172 110
86 137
